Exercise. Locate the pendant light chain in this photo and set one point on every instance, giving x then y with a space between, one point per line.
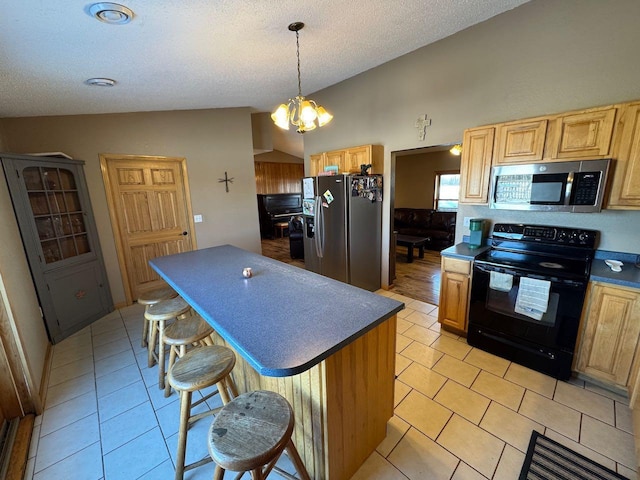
298 55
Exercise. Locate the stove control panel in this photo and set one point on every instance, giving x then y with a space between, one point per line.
546 234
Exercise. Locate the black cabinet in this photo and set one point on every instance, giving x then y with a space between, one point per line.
57 226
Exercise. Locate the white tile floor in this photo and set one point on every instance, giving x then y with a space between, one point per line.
460 413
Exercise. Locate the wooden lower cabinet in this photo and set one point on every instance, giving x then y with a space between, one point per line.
609 334
454 294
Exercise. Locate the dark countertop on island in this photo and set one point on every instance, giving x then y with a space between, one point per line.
283 320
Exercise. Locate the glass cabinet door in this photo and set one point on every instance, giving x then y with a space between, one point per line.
57 212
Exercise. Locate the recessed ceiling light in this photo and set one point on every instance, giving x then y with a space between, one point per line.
100 82
112 13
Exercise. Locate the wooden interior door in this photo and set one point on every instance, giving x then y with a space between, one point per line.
150 211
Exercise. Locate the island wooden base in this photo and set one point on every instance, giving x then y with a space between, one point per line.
342 405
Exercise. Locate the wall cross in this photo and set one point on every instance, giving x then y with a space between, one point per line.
226 181
421 124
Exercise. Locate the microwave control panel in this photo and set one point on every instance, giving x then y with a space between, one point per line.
585 188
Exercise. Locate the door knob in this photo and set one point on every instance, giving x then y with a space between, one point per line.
185 233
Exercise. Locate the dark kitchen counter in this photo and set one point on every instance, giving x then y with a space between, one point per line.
283 320
463 251
628 277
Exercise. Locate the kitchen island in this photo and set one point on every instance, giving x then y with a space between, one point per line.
328 347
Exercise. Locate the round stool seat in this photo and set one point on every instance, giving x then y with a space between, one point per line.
188 330
151 298
201 367
178 336
250 431
155 296
166 309
157 315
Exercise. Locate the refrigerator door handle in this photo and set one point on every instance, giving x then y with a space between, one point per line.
319 223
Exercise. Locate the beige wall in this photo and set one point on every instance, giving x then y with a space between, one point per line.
212 141
543 57
277 156
415 177
22 306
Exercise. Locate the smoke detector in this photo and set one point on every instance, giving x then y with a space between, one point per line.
112 13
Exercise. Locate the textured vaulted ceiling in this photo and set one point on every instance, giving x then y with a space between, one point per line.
196 54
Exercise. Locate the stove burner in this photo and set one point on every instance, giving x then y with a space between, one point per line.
551 265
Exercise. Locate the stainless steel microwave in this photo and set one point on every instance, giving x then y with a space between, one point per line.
575 186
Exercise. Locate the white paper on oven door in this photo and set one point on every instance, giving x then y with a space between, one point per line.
500 281
533 297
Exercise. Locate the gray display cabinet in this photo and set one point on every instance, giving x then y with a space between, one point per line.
52 207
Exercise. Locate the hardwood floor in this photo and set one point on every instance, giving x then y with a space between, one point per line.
278 249
419 280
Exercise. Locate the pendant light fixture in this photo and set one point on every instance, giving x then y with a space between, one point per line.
456 149
301 112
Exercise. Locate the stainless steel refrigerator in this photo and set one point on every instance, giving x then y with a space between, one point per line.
343 228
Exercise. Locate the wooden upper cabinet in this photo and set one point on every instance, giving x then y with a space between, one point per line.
336 158
316 163
585 135
475 166
520 142
356 157
610 333
349 160
625 184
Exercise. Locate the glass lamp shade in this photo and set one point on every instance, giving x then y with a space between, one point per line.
324 117
307 112
456 149
306 127
281 116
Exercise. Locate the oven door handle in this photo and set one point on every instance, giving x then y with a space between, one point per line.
489 269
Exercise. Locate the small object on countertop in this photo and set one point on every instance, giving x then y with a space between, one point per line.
614 265
246 272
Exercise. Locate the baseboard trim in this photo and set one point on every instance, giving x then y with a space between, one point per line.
39 406
20 449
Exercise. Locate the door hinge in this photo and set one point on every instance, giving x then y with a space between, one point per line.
41 313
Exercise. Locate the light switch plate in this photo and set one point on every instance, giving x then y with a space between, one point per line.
197 218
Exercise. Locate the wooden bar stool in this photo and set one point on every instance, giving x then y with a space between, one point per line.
151 298
158 314
198 369
250 433
179 335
